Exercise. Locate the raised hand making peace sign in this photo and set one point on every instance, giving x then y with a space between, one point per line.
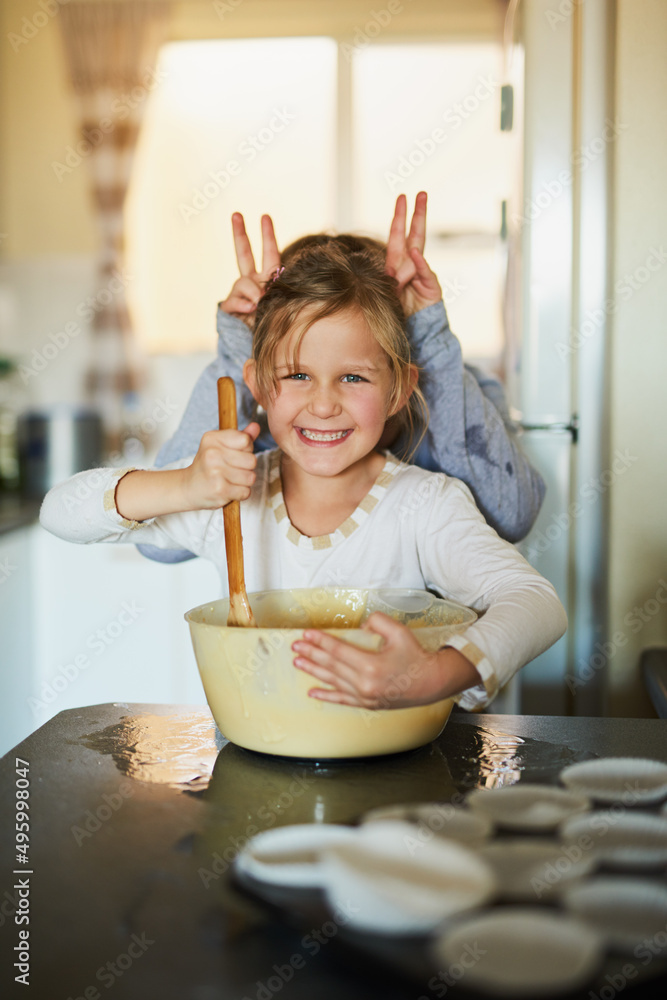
417 284
249 287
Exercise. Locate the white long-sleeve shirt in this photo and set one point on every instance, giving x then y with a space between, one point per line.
413 529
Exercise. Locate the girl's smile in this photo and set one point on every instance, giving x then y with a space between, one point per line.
322 439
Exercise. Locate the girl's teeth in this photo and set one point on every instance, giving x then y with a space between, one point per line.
314 436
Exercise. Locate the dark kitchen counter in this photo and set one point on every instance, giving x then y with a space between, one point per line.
137 811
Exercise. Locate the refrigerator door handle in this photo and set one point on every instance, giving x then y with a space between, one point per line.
572 427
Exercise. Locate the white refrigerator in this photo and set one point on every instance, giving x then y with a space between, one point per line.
557 343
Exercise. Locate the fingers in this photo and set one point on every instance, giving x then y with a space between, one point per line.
404 274
244 256
425 284
417 234
396 240
400 263
385 626
354 674
248 288
252 430
326 651
216 480
233 443
389 677
270 251
235 305
417 256
243 298
338 697
223 469
240 441
422 268
336 685
330 660
231 469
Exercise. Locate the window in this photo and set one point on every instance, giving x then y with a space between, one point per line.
319 138
243 126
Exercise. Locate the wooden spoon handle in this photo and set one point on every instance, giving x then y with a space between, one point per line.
227 404
240 612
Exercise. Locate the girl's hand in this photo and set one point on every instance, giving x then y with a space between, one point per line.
222 470
401 674
249 288
418 286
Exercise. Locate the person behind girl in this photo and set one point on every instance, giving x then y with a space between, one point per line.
328 507
469 435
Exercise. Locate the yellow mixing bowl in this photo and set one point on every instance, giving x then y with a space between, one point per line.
260 700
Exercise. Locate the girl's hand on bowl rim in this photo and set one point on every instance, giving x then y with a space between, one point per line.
401 674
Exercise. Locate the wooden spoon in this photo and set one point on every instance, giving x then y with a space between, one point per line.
240 612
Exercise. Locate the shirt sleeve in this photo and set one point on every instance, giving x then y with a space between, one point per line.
83 509
463 558
470 435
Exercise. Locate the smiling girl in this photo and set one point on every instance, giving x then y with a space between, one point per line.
329 507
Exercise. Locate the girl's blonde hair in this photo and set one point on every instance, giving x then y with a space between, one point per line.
324 275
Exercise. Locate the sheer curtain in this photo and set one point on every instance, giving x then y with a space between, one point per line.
111 49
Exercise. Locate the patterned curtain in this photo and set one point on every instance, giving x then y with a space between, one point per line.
111 49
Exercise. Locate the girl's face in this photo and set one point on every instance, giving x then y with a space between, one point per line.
329 413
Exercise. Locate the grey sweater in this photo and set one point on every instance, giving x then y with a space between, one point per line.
470 435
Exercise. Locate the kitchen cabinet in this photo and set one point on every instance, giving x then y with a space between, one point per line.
84 624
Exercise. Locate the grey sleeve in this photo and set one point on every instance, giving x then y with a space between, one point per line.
201 413
470 434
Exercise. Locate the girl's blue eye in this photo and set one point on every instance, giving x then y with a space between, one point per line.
352 379
298 376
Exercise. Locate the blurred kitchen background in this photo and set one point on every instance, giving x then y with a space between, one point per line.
130 131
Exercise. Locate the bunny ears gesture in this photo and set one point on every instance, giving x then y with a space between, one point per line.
417 284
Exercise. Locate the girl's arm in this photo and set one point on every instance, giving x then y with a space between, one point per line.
468 435
112 504
83 510
464 559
